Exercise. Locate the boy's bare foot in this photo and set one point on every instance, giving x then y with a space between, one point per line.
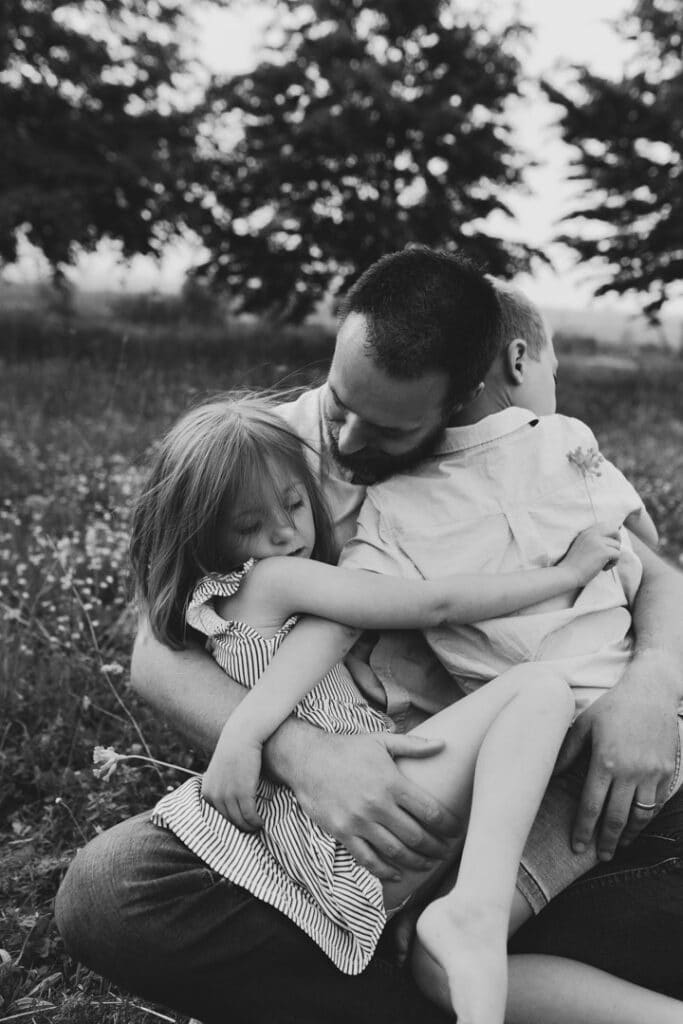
470 947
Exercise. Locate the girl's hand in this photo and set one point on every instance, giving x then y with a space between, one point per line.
591 551
231 780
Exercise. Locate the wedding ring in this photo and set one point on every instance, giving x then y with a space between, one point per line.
644 807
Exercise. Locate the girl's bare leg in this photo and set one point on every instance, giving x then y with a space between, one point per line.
545 989
501 746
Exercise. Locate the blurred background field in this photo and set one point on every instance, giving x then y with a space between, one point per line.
82 399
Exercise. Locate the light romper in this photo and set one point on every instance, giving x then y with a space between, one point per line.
291 863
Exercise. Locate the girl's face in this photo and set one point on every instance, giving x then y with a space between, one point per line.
282 526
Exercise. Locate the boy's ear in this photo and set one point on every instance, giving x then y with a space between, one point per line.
514 360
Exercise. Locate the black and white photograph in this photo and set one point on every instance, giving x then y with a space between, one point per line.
341 512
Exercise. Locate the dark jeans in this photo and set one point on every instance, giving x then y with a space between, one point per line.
139 908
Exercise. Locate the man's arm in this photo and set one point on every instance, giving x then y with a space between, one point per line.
348 784
631 731
186 688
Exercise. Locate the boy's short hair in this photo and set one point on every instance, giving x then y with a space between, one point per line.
519 318
428 310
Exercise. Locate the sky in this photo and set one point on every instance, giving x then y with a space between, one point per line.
575 32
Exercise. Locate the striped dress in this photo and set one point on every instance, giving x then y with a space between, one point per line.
291 863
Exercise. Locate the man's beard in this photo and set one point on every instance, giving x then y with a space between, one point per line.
371 467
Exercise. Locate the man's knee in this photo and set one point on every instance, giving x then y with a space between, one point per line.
625 916
141 909
90 907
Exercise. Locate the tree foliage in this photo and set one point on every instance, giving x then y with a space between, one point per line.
93 141
376 123
629 136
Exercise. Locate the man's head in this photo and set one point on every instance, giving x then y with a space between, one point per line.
417 336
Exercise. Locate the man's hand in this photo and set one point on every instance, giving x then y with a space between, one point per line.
351 787
631 734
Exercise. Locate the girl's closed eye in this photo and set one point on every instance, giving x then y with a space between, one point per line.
246 529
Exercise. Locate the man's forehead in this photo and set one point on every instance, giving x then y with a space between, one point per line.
369 391
352 340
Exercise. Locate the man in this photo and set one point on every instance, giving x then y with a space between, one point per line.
141 909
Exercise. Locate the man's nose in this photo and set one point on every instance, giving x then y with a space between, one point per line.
352 435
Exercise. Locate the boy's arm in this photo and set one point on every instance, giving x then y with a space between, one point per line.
631 731
350 785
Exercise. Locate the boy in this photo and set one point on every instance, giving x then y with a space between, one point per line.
506 488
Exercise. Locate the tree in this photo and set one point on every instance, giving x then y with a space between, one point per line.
629 136
377 123
94 139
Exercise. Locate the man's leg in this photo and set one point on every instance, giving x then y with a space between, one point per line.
139 908
625 916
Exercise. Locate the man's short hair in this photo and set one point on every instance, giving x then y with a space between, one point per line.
519 318
426 311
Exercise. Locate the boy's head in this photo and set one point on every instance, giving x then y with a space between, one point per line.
418 333
525 368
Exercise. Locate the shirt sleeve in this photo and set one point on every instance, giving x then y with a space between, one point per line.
374 547
201 614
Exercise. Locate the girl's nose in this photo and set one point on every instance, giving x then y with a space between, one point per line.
282 531
352 435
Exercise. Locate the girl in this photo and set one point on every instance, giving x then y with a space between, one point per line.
232 515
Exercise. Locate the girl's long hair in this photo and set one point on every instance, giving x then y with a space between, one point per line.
212 457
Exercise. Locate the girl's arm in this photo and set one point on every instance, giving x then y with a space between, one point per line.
362 600
231 779
368 600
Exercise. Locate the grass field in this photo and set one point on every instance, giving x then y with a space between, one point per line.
80 405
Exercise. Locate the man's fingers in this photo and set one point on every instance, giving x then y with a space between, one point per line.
406 851
414 835
399 745
428 812
593 796
614 818
642 811
369 859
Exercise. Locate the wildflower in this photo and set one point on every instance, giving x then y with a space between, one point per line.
112 668
106 761
588 461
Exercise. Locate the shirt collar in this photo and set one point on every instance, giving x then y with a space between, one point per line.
491 428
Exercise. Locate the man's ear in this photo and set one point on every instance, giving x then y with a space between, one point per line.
514 360
467 398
